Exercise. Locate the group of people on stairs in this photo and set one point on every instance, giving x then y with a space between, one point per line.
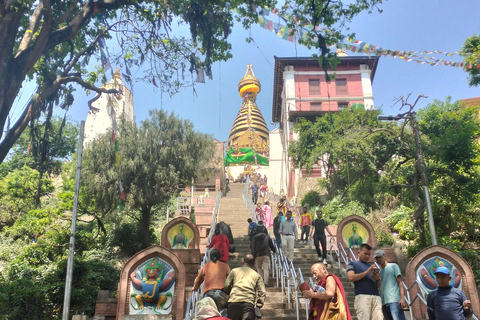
379 292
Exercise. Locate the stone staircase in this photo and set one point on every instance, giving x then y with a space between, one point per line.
234 212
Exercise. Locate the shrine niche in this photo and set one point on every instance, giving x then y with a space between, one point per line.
182 236
152 282
180 233
421 270
152 287
354 231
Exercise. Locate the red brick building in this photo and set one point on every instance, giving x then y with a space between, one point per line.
301 91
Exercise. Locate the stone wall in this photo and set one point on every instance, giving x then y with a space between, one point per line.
306 184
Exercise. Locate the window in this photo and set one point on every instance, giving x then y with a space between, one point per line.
342 105
315 106
341 85
314 87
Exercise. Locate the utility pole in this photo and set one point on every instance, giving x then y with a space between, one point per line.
410 116
71 248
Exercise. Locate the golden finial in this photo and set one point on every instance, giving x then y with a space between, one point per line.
249 80
341 53
117 74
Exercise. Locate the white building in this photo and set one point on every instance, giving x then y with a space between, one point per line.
106 108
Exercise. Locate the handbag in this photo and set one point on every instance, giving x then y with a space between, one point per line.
258 313
232 249
221 299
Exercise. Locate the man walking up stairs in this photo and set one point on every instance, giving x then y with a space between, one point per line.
233 211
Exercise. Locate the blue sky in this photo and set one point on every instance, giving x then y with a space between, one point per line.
404 25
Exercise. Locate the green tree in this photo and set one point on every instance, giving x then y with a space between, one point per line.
54 44
155 158
352 146
471 52
453 157
17 194
370 161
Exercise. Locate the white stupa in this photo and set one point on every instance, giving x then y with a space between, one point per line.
106 108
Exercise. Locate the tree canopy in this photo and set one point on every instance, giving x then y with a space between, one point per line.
59 43
163 153
374 163
471 52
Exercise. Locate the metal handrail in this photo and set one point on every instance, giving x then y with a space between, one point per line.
284 272
191 303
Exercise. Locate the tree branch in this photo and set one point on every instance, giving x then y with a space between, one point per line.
32 26
67 13
86 85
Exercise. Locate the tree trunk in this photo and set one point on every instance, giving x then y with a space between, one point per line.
145 227
418 216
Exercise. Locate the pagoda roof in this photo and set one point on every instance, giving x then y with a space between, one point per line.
282 62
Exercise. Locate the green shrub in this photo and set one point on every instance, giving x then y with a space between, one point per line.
312 198
400 221
385 239
336 210
129 238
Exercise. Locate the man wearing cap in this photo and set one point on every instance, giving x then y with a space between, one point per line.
447 302
391 288
365 278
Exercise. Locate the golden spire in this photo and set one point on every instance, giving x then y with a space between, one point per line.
249 129
116 74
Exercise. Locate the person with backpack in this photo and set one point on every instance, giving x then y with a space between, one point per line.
259 228
276 227
222 244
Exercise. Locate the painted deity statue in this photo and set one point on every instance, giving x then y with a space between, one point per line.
180 238
152 285
355 240
427 276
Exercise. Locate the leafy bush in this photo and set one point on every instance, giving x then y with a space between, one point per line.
312 198
129 238
400 221
336 210
385 239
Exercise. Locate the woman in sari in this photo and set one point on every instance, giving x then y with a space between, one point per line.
268 215
328 301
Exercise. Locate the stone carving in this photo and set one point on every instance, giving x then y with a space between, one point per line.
180 236
420 270
153 294
355 230
427 278
356 235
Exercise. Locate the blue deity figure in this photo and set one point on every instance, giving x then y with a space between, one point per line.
426 273
152 285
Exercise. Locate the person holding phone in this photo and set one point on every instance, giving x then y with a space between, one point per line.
392 291
368 304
